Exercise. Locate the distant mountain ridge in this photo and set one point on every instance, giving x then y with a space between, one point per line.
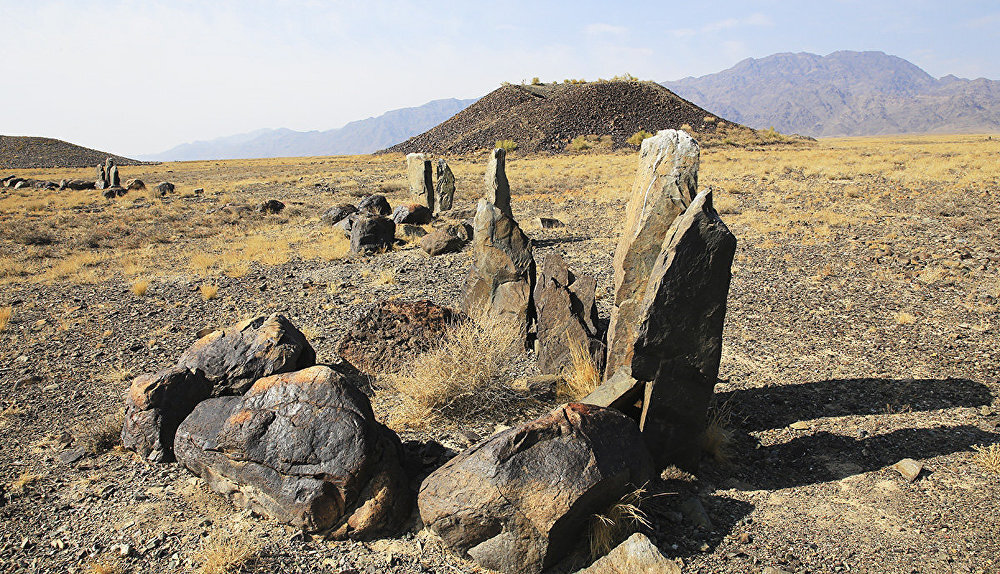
844 94
23 152
357 137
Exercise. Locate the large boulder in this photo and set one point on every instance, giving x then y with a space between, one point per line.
392 333
413 213
665 184
440 242
338 213
520 501
79 184
370 234
235 357
135 184
566 314
444 193
303 448
155 406
421 177
503 268
497 186
374 204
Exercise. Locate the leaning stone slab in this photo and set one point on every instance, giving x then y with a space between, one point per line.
303 448
420 175
521 500
564 326
444 193
497 186
636 554
665 184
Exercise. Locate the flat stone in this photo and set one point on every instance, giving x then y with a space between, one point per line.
636 555
909 468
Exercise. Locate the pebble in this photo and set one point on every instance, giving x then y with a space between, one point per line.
799 425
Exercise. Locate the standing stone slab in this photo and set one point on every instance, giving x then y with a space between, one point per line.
444 193
303 448
679 338
497 187
421 177
503 269
100 177
564 320
114 180
665 184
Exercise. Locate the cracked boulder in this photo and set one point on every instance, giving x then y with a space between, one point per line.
155 406
521 500
305 449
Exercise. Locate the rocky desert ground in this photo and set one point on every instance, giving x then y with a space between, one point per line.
861 330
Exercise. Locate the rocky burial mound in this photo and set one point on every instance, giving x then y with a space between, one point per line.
548 117
24 152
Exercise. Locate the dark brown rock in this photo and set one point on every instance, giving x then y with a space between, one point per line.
444 193
135 185
164 188
563 323
375 204
440 242
370 234
155 406
305 449
234 357
79 184
413 213
497 186
114 180
520 501
336 214
393 332
272 206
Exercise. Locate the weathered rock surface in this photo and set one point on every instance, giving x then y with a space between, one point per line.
338 213
503 269
421 178
234 357
164 188
497 186
440 242
566 315
372 233
392 333
155 406
135 184
303 448
79 184
636 554
100 177
460 230
444 193
375 204
665 184
114 180
272 206
520 501
114 191
412 213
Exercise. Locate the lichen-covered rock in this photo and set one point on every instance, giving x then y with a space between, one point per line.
393 332
444 193
303 448
520 501
154 407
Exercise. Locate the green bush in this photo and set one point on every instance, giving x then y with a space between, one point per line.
580 143
536 81
507 145
636 138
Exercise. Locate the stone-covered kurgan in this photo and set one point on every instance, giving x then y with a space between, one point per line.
303 448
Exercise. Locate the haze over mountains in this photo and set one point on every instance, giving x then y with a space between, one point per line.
844 94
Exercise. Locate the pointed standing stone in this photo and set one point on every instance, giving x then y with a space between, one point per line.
101 177
444 194
114 180
420 176
497 187
665 184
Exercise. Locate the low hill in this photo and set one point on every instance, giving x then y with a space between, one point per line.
845 94
17 152
362 136
548 117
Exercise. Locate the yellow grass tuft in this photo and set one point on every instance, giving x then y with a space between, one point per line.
386 277
100 436
988 457
5 315
904 318
221 554
209 292
22 482
625 517
582 376
717 439
103 566
140 286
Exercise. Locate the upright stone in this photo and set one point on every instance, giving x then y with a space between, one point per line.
100 177
108 164
421 178
497 187
444 194
503 269
566 320
665 184
114 180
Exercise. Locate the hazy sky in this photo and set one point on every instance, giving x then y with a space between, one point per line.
134 77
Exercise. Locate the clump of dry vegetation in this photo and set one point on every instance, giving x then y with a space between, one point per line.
5 315
582 376
717 439
209 292
617 523
465 377
222 554
98 437
140 287
987 457
23 481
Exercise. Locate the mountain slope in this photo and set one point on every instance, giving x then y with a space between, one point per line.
548 117
362 136
844 93
18 152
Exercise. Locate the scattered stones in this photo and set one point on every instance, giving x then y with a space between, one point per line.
338 213
135 185
393 332
549 222
374 204
636 554
155 406
497 187
413 213
440 242
566 320
503 271
520 501
444 193
303 448
370 234
420 175
272 206
164 188
909 468
665 184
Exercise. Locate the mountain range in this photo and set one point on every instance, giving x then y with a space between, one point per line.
844 94
357 137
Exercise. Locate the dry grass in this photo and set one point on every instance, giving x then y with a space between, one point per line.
104 566
717 440
988 457
23 481
221 553
100 436
617 523
140 287
209 292
466 377
582 376
385 277
5 315
904 318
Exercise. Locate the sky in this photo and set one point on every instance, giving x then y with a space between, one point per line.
138 77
